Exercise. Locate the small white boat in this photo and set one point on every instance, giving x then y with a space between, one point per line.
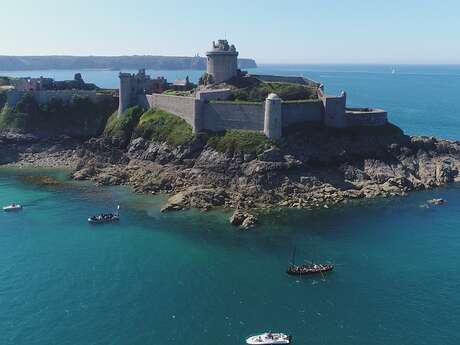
12 207
269 339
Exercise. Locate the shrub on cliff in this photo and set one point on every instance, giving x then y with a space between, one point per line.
122 126
2 98
238 141
158 125
79 117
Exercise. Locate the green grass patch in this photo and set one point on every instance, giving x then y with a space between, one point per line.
238 141
302 101
177 93
234 102
2 97
254 90
159 125
123 126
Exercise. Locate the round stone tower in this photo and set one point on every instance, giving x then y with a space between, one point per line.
273 121
125 92
222 61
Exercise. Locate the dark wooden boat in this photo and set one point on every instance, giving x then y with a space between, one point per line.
295 270
105 218
305 269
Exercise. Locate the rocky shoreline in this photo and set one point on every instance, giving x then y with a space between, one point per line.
316 167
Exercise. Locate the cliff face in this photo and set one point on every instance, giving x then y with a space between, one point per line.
17 63
316 167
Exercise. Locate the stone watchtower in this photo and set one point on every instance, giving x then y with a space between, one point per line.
131 86
273 117
222 62
125 92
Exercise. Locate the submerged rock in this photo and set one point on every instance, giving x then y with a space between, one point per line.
41 180
243 219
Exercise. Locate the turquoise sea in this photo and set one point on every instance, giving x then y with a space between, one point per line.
191 278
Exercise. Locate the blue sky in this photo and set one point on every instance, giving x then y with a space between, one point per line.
289 31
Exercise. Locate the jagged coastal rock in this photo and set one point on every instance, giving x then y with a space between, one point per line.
238 141
312 168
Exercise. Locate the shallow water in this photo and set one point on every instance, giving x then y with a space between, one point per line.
173 278
190 277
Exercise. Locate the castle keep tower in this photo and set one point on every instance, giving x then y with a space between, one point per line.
222 62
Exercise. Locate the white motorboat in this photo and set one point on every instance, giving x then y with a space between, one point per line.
12 207
269 339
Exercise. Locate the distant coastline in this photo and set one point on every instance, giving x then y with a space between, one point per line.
56 62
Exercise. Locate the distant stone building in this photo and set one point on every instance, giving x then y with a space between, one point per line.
222 61
32 84
182 84
43 90
47 84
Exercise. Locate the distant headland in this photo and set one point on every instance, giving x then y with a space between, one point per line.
28 63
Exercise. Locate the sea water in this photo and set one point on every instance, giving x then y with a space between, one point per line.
190 277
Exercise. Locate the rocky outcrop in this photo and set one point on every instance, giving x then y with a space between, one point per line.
243 219
27 150
314 167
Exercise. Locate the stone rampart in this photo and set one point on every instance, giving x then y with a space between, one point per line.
302 111
184 107
219 116
214 95
365 117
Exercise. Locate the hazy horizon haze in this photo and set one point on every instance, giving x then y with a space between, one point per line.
298 32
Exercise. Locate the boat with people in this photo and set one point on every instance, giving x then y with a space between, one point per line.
105 217
12 207
298 270
308 268
269 338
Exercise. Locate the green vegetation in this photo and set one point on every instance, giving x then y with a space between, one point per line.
234 102
177 93
303 101
123 126
238 141
258 92
254 90
158 125
79 117
2 98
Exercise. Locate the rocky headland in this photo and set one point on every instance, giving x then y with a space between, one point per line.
314 167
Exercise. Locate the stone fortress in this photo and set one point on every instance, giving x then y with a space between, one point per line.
211 110
46 89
